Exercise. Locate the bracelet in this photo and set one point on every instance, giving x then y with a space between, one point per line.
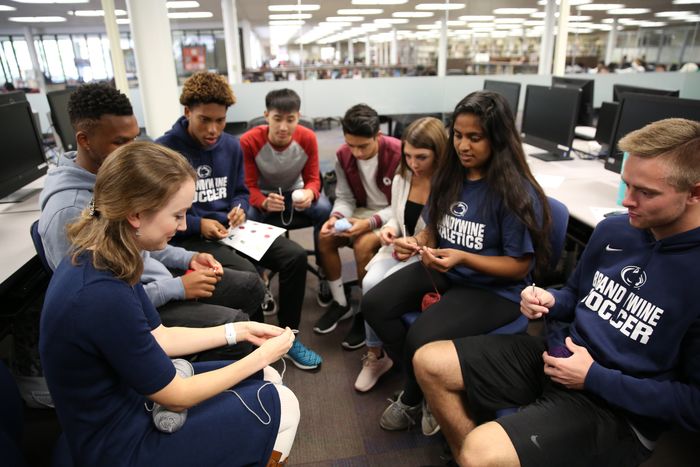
230 331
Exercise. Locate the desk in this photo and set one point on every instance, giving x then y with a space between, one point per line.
15 220
586 188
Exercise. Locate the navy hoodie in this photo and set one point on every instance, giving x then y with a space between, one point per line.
634 303
220 177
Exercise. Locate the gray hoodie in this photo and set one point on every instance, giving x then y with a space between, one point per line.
68 189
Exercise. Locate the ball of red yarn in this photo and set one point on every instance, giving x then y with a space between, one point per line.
429 299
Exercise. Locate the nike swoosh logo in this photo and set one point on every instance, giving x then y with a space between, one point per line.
609 248
533 438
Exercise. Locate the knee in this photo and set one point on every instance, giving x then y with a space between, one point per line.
289 408
482 448
426 362
255 287
327 244
366 246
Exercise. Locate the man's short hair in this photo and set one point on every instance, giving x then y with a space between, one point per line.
283 101
677 141
361 120
88 103
207 88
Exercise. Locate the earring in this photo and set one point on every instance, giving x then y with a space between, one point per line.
138 232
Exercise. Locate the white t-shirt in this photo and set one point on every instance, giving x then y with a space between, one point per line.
368 174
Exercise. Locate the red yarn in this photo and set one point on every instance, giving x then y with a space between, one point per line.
429 299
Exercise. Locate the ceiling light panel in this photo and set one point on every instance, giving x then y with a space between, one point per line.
514 11
37 19
182 4
95 13
379 2
674 14
66 2
600 6
571 2
628 11
412 14
294 7
290 16
190 14
440 6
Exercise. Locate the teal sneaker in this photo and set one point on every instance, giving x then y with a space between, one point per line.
303 357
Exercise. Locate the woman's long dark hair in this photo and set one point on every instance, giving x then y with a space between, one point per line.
508 176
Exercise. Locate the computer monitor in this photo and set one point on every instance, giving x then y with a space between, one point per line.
58 102
638 110
12 96
509 90
22 157
585 110
607 116
619 89
549 120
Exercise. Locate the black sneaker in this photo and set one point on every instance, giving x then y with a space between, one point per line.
268 305
329 321
324 296
356 336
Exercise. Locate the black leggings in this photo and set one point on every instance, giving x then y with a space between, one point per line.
462 311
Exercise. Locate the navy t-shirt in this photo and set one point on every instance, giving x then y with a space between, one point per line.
100 360
481 224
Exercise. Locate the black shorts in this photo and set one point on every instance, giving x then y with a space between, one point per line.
553 426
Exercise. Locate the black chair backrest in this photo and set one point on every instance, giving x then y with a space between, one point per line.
39 247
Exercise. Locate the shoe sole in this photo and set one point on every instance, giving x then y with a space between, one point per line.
348 346
406 428
431 433
323 304
270 313
348 314
376 381
300 366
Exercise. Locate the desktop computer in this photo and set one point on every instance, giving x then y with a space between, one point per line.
638 110
549 120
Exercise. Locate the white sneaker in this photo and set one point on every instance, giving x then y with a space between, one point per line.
372 369
428 424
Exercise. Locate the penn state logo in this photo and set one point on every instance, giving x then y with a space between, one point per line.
459 208
633 276
203 171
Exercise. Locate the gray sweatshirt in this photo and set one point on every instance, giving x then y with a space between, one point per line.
68 189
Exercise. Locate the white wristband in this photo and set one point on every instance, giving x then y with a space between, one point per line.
230 331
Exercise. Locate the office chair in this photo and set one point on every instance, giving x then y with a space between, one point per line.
560 221
39 247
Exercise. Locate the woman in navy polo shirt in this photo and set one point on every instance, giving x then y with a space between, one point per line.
106 354
487 221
